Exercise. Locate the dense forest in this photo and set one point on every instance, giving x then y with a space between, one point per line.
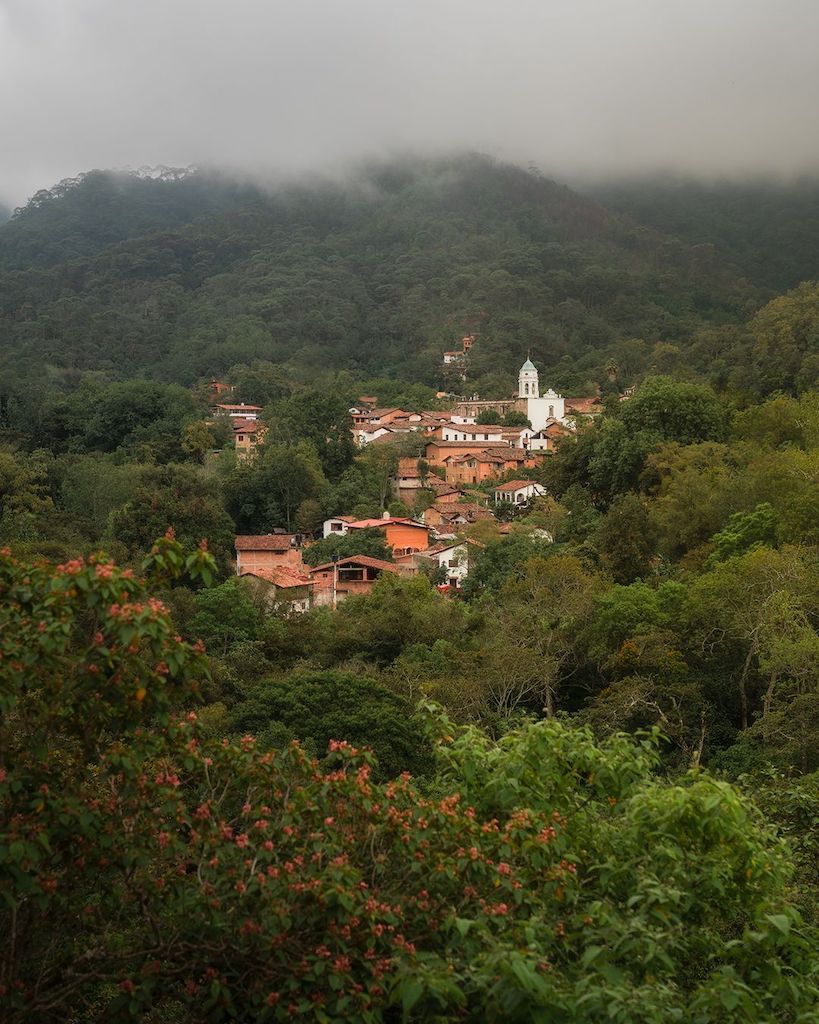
585 788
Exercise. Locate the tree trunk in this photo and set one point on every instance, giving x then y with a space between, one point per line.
743 695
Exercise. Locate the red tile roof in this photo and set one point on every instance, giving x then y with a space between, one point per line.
242 405
246 426
585 406
281 576
372 563
268 542
514 485
480 445
365 524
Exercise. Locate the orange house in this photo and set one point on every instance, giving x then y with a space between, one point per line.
354 575
247 436
404 536
437 451
266 552
489 465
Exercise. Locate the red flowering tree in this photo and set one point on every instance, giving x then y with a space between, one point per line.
541 877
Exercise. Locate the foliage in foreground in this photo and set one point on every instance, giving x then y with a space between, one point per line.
541 877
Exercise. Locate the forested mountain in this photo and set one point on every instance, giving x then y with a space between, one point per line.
766 229
185 276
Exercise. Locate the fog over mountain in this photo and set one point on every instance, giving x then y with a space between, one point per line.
581 88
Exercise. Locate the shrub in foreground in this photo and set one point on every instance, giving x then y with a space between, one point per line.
543 877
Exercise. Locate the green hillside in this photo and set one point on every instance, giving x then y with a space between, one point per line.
179 279
767 229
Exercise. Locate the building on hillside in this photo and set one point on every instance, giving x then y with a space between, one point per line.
266 551
408 481
284 585
450 555
336 526
547 439
450 517
335 581
437 452
589 406
519 492
248 434
404 536
474 468
217 389
241 409
466 432
459 355
537 406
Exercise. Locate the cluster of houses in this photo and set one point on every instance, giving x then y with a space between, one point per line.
458 453
275 562
468 452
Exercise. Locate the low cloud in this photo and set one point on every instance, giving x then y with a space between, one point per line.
582 88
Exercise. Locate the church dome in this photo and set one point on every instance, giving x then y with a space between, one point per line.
528 365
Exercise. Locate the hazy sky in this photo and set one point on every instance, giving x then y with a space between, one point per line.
575 86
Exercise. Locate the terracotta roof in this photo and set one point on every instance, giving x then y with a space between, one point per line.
372 563
514 485
468 444
470 510
436 549
585 406
247 426
241 405
267 542
376 414
364 524
280 576
408 467
440 487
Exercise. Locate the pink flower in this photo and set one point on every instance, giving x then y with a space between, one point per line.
504 869
164 839
328 821
242 840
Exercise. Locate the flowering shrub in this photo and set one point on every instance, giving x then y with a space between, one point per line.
542 877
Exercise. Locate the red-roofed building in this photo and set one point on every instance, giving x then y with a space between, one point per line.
266 552
284 584
335 581
249 412
248 434
402 535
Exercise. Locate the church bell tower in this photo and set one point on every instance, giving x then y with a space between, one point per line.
528 383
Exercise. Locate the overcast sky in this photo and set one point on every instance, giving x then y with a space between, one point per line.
578 87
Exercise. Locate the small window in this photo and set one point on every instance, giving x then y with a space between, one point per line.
551 411
241 437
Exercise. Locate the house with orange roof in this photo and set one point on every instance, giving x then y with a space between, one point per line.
336 581
448 517
474 468
588 406
241 409
404 536
266 551
284 585
248 434
438 451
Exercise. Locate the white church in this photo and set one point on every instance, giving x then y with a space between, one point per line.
537 408
540 409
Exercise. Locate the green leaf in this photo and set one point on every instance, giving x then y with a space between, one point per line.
781 922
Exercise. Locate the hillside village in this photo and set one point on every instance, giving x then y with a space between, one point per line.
466 471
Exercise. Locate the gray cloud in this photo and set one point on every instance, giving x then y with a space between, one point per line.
579 87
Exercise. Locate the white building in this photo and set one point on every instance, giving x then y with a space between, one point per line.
519 492
453 557
536 407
